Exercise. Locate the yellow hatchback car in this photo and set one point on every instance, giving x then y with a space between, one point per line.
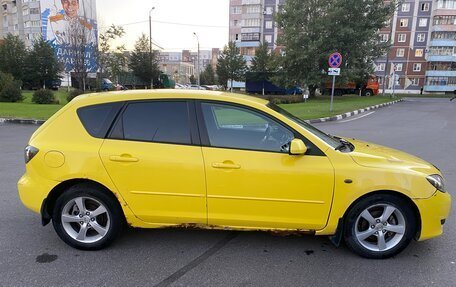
214 160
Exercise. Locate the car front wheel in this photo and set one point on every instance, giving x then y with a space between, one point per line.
86 218
380 226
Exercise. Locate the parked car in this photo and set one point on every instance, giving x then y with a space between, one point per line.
107 85
196 87
216 160
54 84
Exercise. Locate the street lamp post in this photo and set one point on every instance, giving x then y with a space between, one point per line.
150 47
198 59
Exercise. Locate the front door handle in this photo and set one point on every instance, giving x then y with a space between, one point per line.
226 165
123 158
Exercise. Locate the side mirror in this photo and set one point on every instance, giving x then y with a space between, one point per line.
298 147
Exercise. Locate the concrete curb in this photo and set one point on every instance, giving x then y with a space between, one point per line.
21 121
314 121
351 114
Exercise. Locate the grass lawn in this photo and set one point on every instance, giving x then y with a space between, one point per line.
312 109
319 107
29 110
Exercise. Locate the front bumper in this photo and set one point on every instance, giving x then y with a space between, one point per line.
434 211
33 192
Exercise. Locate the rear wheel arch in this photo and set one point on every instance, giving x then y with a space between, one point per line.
49 203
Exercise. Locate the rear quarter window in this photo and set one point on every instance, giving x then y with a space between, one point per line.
97 119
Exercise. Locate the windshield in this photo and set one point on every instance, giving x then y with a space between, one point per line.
323 136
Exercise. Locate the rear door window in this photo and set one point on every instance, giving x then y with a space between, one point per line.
160 121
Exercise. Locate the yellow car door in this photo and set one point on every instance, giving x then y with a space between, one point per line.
154 158
252 180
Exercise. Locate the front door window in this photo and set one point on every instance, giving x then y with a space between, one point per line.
241 128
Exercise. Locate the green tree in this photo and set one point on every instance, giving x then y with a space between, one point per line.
112 62
117 63
192 80
263 64
313 29
207 77
41 65
12 56
143 63
231 65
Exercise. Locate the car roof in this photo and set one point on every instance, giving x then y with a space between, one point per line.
134 95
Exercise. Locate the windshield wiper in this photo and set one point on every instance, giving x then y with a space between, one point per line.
344 144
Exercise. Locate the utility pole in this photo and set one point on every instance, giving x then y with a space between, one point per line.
150 47
198 59
394 80
392 41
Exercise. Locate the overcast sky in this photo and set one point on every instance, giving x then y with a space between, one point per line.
195 13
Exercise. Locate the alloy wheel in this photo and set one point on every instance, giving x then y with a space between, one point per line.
380 227
85 219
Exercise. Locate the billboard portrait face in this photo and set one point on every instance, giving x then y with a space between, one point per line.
70 26
71 8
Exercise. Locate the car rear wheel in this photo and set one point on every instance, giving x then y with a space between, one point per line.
380 226
87 218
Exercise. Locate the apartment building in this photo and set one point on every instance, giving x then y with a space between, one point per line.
441 56
252 23
409 30
206 57
182 65
423 52
165 56
21 18
179 71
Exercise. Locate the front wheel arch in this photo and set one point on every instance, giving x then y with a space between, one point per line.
336 239
48 204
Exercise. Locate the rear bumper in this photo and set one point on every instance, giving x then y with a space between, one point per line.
33 192
434 211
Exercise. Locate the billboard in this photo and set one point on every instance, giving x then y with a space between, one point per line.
70 26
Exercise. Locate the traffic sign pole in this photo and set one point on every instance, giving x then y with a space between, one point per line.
335 61
332 94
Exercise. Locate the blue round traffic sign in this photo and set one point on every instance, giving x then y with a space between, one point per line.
335 60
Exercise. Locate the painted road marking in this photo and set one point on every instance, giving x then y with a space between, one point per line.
368 114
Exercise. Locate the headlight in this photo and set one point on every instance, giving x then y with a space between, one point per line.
437 181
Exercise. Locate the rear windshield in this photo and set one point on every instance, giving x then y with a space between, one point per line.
97 119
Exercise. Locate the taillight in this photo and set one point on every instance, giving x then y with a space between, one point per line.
29 153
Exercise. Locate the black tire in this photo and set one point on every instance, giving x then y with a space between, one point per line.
367 93
350 226
113 216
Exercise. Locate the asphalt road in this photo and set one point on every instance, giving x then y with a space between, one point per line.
31 255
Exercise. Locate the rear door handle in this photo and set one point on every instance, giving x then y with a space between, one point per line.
123 158
226 165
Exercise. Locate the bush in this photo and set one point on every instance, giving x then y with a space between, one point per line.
11 93
43 97
10 90
278 100
73 94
